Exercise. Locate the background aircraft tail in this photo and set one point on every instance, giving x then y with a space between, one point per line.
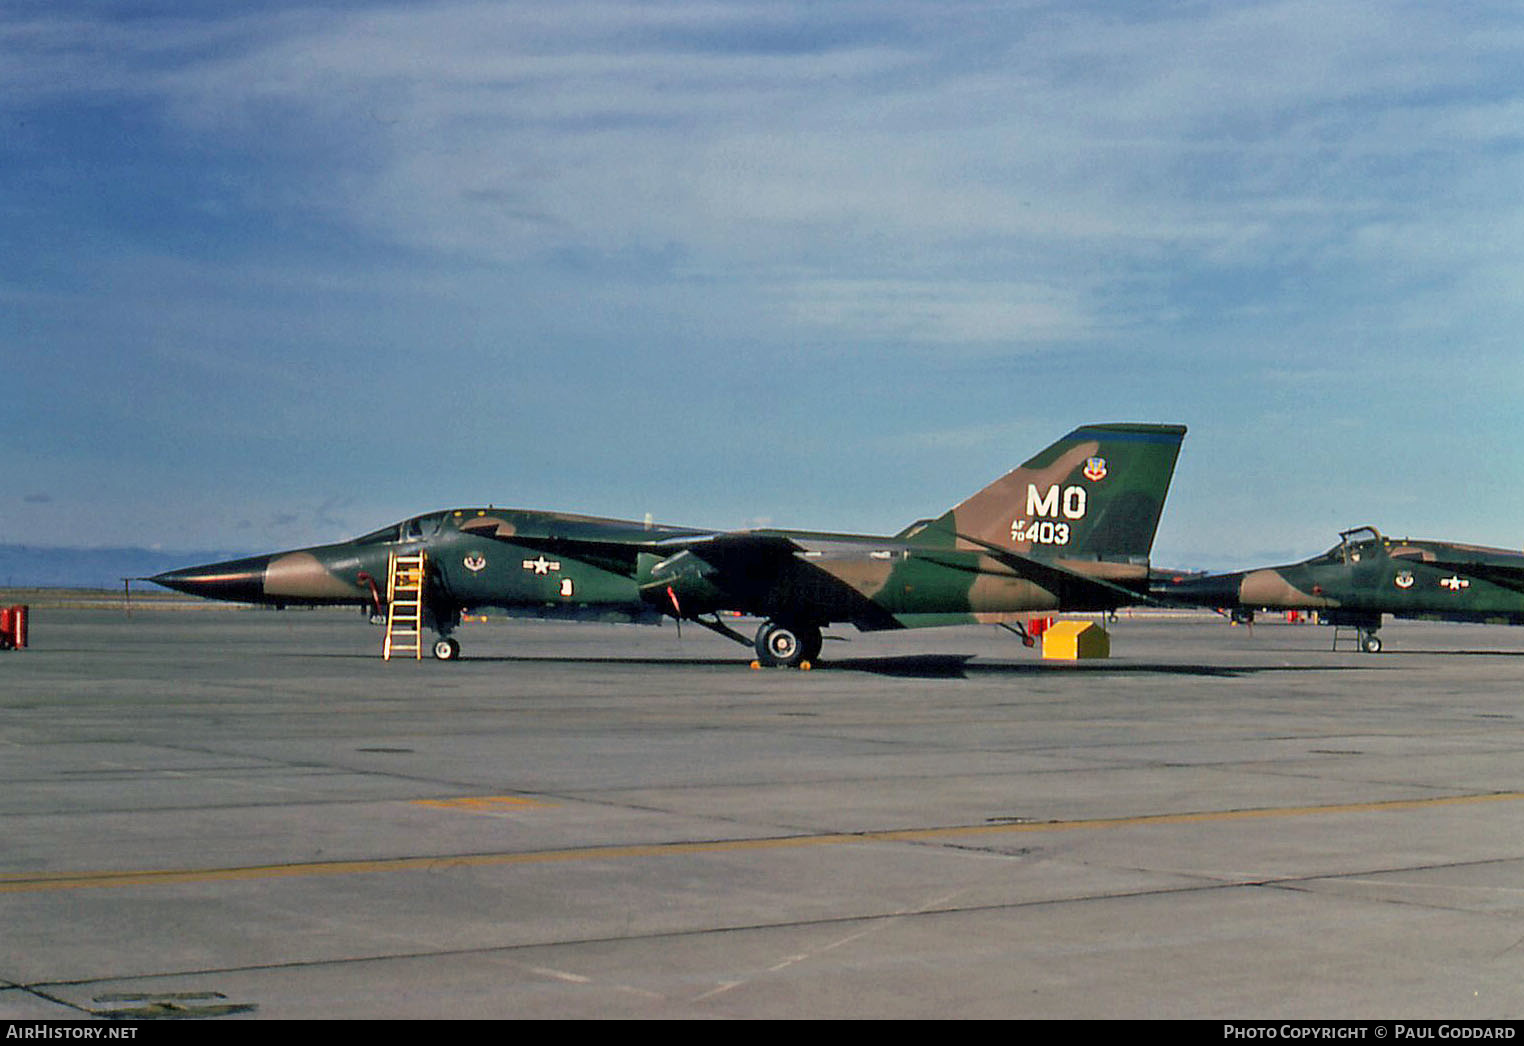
1095 494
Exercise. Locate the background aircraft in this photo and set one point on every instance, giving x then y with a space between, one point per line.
1070 529
1367 575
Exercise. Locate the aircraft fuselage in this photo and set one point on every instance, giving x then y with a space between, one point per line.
1070 528
1359 581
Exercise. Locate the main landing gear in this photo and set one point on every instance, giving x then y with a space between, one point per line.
779 644
447 648
786 644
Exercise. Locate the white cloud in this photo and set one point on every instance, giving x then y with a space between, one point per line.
496 130
969 315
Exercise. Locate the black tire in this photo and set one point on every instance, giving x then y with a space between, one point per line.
786 645
447 648
1370 643
813 641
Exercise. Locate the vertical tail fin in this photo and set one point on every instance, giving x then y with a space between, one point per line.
1095 494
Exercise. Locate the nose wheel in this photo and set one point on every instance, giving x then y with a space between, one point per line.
787 644
447 648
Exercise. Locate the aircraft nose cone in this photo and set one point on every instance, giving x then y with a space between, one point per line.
237 580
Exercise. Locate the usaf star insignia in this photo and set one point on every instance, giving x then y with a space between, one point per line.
542 565
1455 583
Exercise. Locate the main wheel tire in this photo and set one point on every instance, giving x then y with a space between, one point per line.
447 648
1371 643
786 645
813 641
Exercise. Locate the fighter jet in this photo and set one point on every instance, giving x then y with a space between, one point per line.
1367 575
1070 529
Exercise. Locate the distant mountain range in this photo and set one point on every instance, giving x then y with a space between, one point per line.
33 566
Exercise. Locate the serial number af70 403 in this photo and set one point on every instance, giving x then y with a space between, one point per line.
1040 532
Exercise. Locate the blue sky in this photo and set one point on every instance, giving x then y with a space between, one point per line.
279 273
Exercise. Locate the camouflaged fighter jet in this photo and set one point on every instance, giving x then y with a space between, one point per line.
1069 530
1367 575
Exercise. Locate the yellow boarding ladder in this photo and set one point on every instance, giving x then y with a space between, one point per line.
404 599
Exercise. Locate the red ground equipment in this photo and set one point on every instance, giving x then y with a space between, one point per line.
13 627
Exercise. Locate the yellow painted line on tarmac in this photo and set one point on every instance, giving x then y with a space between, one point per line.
10 884
1216 815
482 803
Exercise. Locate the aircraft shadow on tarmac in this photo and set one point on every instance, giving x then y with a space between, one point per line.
938 666
962 666
923 666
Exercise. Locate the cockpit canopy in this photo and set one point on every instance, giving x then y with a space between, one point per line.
1353 544
415 529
